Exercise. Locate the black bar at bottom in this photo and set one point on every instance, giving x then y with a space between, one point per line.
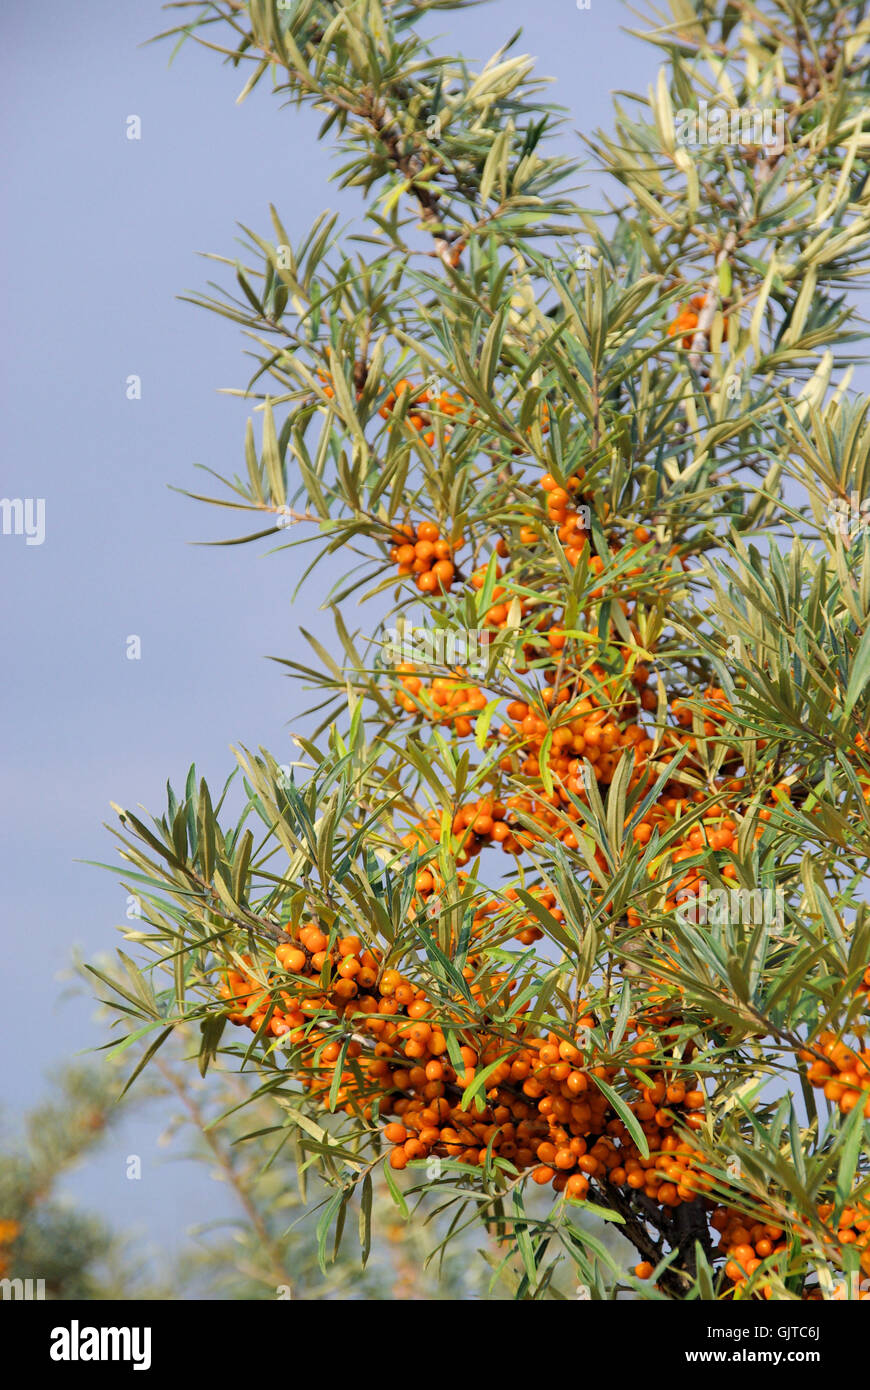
63 1340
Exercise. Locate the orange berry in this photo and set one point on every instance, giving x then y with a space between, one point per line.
291 958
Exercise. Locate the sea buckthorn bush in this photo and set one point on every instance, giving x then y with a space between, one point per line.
618 488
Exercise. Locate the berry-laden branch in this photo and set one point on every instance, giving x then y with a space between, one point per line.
614 646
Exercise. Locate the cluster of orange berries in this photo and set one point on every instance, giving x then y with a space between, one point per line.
544 1111
595 721
572 530
429 885
351 971
687 319
670 1173
344 984
448 403
447 700
427 555
539 1108
665 1176
483 822
421 404
474 825
425 404
549 819
582 731
497 614
845 1076
579 724
430 1122
852 1228
521 1109
746 1243
715 831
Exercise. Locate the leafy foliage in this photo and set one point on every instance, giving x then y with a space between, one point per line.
623 468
